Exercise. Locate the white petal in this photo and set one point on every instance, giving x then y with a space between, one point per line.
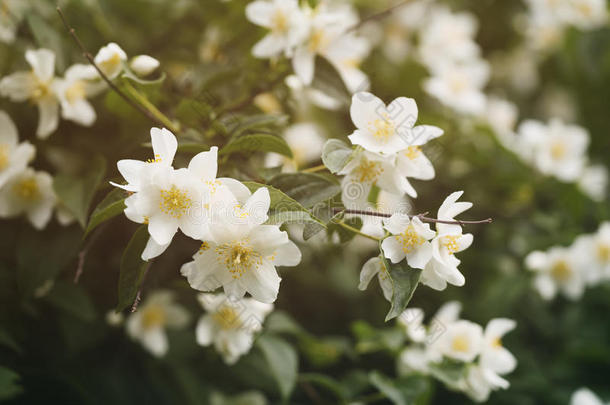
365 109
164 144
269 46
162 228
397 223
48 109
260 12
262 282
545 286
303 64
403 111
153 249
393 249
155 341
80 111
369 269
42 62
257 206
422 134
143 65
419 257
385 282
8 132
205 330
204 165
239 191
18 86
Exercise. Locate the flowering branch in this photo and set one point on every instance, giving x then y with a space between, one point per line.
90 59
422 217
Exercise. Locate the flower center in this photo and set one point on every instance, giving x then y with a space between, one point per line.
460 344
153 316
238 257
175 202
603 252
279 22
157 159
413 152
111 64
585 9
4 159
227 318
27 189
317 40
561 271
382 129
558 150
76 92
450 242
409 239
496 343
41 89
368 171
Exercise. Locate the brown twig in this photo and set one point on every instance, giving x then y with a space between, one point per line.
422 217
91 60
380 15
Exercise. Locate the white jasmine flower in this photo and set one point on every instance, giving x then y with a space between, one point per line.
374 266
14 156
443 268
387 129
460 86
402 26
143 65
230 324
37 87
544 31
412 321
284 19
494 356
555 149
346 54
305 140
11 13
73 90
410 239
148 324
462 341
412 162
591 254
585 396
114 318
594 182
305 96
502 115
556 270
413 359
110 59
241 253
30 193
585 14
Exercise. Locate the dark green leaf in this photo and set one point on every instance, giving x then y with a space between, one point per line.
311 229
326 382
329 81
72 299
404 391
133 268
404 282
258 122
335 155
111 206
345 235
258 143
76 193
307 188
283 363
9 384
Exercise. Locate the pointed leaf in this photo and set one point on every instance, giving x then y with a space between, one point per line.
133 268
257 143
283 363
111 206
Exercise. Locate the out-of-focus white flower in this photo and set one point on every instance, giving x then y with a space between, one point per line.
241 253
592 255
410 239
443 268
413 359
555 149
304 96
585 396
402 26
594 182
462 341
78 84
460 86
285 20
143 65
305 141
230 324
30 193
11 14
114 318
518 68
502 115
412 321
14 156
387 129
544 32
148 324
374 266
36 86
110 59
556 269
584 14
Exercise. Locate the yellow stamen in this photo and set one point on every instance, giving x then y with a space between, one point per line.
561 271
603 252
368 171
227 318
4 156
317 40
153 316
27 189
413 152
76 92
460 344
175 202
409 239
279 22
558 150
450 242
496 343
157 159
111 64
382 129
238 257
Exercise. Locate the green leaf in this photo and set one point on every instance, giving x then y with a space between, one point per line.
129 75
284 209
311 229
47 37
404 282
283 363
111 206
8 341
344 234
449 372
307 188
327 382
328 80
76 193
258 122
404 391
245 398
9 384
259 143
133 268
72 299
335 155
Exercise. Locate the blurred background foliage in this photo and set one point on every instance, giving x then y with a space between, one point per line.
58 348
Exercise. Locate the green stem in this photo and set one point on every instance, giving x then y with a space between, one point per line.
151 108
357 232
314 169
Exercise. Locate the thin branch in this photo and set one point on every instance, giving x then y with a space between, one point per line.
91 60
314 169
357 231
151 107
380 15
136 301
422 217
